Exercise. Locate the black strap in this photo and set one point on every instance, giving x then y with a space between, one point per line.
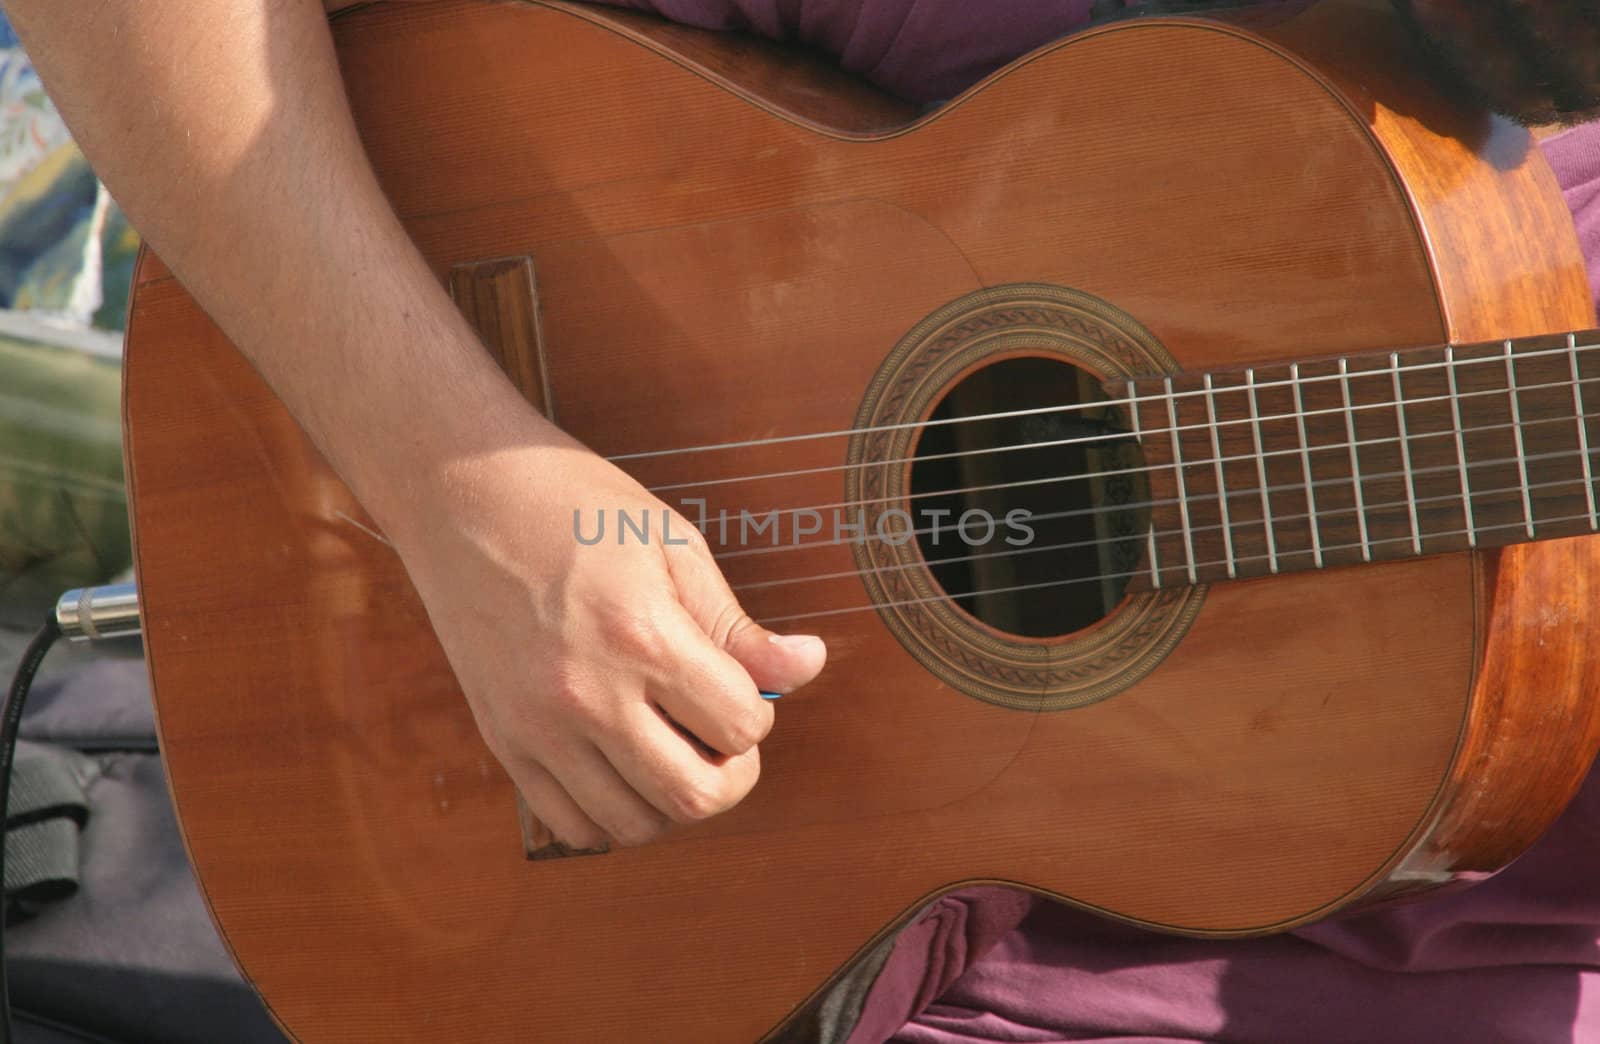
49 805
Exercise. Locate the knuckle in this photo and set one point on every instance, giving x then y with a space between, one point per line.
638 636
748 727
739 623
694 541
568 694
693 801
727 624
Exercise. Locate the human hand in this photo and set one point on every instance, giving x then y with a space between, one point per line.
618 684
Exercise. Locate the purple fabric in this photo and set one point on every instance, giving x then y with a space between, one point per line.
923 50
1513 961
935 952
1575 155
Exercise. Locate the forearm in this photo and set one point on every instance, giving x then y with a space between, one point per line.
229 142
231 146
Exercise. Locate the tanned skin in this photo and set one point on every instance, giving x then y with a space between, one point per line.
231 127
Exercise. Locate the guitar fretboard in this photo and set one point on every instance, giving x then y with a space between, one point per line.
1283 468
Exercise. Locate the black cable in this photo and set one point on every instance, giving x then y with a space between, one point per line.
10 725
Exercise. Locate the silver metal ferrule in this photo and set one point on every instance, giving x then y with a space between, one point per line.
90 613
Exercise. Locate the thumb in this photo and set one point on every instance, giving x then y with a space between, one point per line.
778 663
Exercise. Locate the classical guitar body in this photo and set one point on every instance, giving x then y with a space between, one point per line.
675 241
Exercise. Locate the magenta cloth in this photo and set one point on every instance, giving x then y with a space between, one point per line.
1513 961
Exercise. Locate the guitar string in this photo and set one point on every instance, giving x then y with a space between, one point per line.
1168 533
1148 468
1253 491
774 620
846 574
1116 436
1454 364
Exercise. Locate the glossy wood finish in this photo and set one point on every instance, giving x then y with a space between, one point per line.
1313 739
1479 199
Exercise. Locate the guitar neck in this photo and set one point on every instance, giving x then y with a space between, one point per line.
1376 457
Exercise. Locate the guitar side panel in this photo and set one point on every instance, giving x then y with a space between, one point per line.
1507 262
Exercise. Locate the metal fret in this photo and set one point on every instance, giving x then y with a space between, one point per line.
1183 492
1261 468
1461 447
1305 463
1516 434
1222 489
1150 535
1355 460
1583 429
1405 453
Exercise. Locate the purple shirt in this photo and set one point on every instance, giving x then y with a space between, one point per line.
1513 961
923 50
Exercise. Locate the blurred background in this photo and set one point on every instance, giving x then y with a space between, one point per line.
66 259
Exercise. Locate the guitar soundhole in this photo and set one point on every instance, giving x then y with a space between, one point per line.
1036 616
1032 499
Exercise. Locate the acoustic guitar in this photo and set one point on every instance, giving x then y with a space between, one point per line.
1184 441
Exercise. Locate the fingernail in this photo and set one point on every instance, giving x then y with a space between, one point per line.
795 641
770 696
